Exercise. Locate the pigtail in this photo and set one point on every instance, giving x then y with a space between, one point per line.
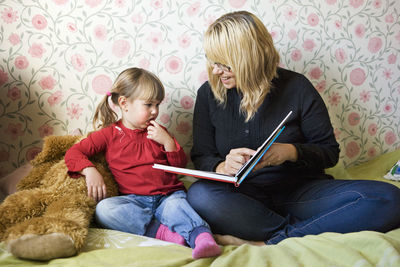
105 115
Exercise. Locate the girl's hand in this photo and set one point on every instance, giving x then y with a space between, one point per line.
156 133
277 154
95 183
234 160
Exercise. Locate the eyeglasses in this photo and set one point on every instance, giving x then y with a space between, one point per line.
219 65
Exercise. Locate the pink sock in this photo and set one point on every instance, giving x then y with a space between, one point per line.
163 233
205 246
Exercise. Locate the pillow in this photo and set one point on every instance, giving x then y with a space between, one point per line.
394 173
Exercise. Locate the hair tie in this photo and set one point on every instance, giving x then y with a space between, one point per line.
108 93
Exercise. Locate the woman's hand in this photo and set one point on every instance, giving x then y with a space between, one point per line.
95 183
157 133
234 160
277 154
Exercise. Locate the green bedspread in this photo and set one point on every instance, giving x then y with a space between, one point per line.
366 248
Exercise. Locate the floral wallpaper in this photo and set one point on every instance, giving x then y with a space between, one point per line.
59 57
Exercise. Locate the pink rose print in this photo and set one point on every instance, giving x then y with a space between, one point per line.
203 77
387 74
360 30
74 111
3 77
184 41
338 24
296 55
93 3
100 32
36 50
156 4
60 2
337 133
389 18
330 2
14 39
14 93
120 3
371 152
21 62
377 4
71 27
388 108
9 15
209 20
356 3
353 118
165 118
155 38
137 18
315 73
101 84
47 83
193 9
55 98
364 96
321 86
274 34
290 13
32 152
39 22
45 130
340 55
76 131
144 63
308 45
78 62
313 19
374 44
183 127
173 64
352 149
334 99
357 76
187 102
14 130
390 138
292 34
237 3
392 59
121 48
372 129
4 155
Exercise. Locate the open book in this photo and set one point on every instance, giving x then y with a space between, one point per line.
242 172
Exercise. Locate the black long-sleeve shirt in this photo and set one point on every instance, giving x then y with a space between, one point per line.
219 128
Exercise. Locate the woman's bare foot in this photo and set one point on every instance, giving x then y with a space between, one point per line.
235 241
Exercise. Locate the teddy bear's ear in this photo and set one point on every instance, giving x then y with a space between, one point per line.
54 148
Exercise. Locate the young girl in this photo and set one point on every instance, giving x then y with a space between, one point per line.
152 202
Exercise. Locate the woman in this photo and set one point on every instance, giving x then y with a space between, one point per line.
289 194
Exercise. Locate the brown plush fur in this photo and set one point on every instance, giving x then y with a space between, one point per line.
49 215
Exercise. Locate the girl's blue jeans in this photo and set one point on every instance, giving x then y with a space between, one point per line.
141 215
275 212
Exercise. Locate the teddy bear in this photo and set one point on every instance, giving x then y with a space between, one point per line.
50 213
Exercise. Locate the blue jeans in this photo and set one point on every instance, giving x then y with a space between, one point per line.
136 213
274 212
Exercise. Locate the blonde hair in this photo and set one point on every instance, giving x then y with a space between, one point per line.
132 83
241 41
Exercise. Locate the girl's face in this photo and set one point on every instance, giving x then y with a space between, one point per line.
225 74
137 113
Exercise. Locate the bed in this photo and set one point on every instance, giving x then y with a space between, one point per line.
367 248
